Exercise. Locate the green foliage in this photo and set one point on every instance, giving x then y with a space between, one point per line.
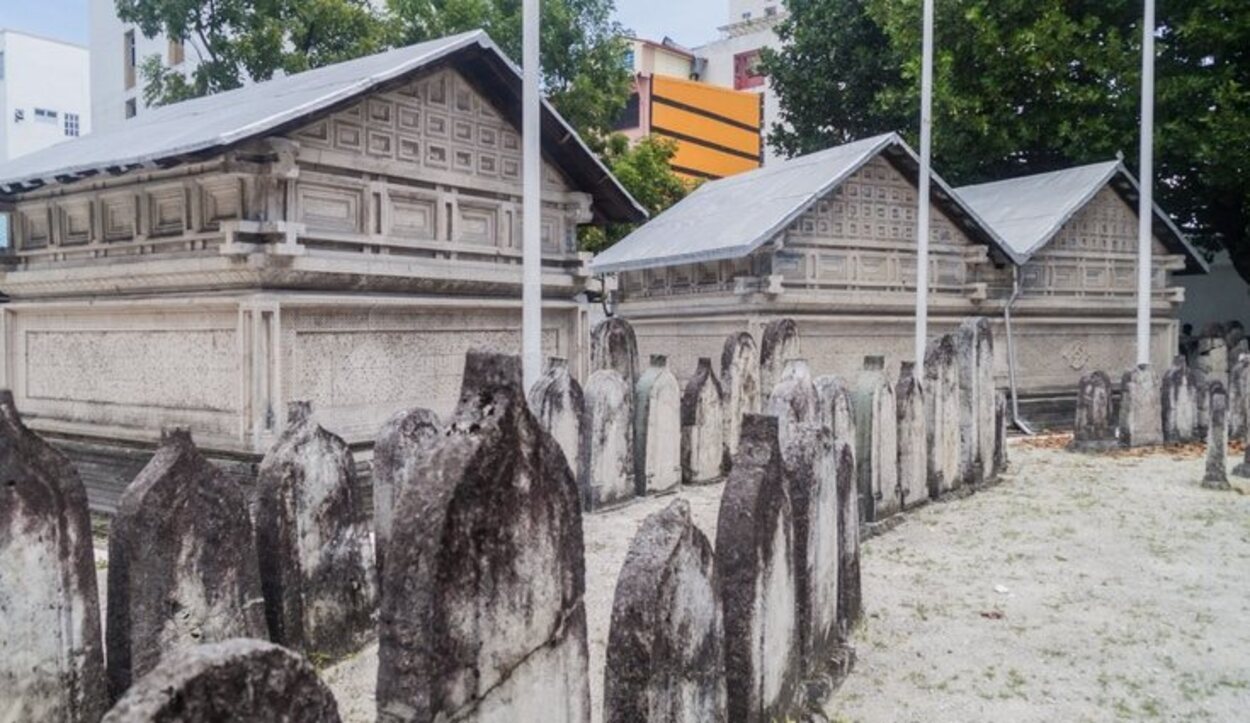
645 171
1026 86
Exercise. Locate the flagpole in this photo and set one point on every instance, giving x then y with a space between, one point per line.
531 295
922 214
1145 213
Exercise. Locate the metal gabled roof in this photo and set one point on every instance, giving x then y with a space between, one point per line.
731 217
1029 211
212 124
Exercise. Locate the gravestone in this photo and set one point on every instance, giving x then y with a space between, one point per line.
755 566
794 401
313 542
1001 421
1213 356
1216 476
1094 430
234 680
779 344
657 432
849 590
913 463
1243 469
608 438
1239 397
182 562
613 345
560 406
404 438
810 461
665 655
51 656
1181 389
835 408
974 351
987 397
483 616
703 449
942 416
1140 409
876 444
740 378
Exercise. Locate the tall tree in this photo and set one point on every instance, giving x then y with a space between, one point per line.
1025 86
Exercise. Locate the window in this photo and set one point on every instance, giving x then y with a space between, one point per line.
132 108
71 125
43 115
130 59
630 117
747 70
177 52
629 59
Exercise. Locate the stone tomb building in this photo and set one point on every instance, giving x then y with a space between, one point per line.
829 240
341 236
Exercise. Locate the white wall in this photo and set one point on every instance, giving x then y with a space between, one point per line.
40 74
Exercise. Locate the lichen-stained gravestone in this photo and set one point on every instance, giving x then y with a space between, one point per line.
1001 417
834 407
1140 410
876 442
704 457
974 350
182 562
657 429
51 656
313 541
740 378
560 406
1181 404
779 344
613 345
849 591
404 438
483 616
1216 476
1095 427
756 570
810 462
794 401
665 656
236 680
987 397
913 469
1239 397
1243 469
942 416
608 438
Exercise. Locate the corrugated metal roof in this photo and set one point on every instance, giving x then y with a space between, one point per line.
1029 211
209 124
731 217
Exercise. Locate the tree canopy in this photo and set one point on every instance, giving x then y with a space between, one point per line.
1026 86
645 170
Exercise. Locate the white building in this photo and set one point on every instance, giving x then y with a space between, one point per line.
732 61
44 94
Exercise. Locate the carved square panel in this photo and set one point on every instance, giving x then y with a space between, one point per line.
409 149
487 165
462 159
409 118
462 131
220 200
167 211
318 133
381 112
478 224
436 124
75 218
414 216
347 136
38 228
511 168
487 137
510 140
118 217
464 98
330 208
436 90
381 144
435 155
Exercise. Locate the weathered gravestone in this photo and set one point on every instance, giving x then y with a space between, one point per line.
234 680
665 656
1094 430
559 405
1140 415
613 345
313 541
182 562
51 657
482 608
876 443
1213 356
1243 469
834 407
974 351
608 438
942 416
913 463
1216 476
794 401
1239 397
811 469
1181 390
703 450
987 397
404 438
740 378
849 591
779 344
755 566
1001 421
657 429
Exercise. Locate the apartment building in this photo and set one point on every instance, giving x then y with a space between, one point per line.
44 94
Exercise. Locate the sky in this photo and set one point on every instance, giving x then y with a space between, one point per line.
689 22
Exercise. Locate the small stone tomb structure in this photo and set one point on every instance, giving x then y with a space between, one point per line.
974 351
704 457
613 345
1095 425
1239 397
665 656
876 444
835 408
779 345
657 429
942 405
1141 421
404 438
913 464
849 590
1181 389
608 439
557 401
740 378
1216 476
